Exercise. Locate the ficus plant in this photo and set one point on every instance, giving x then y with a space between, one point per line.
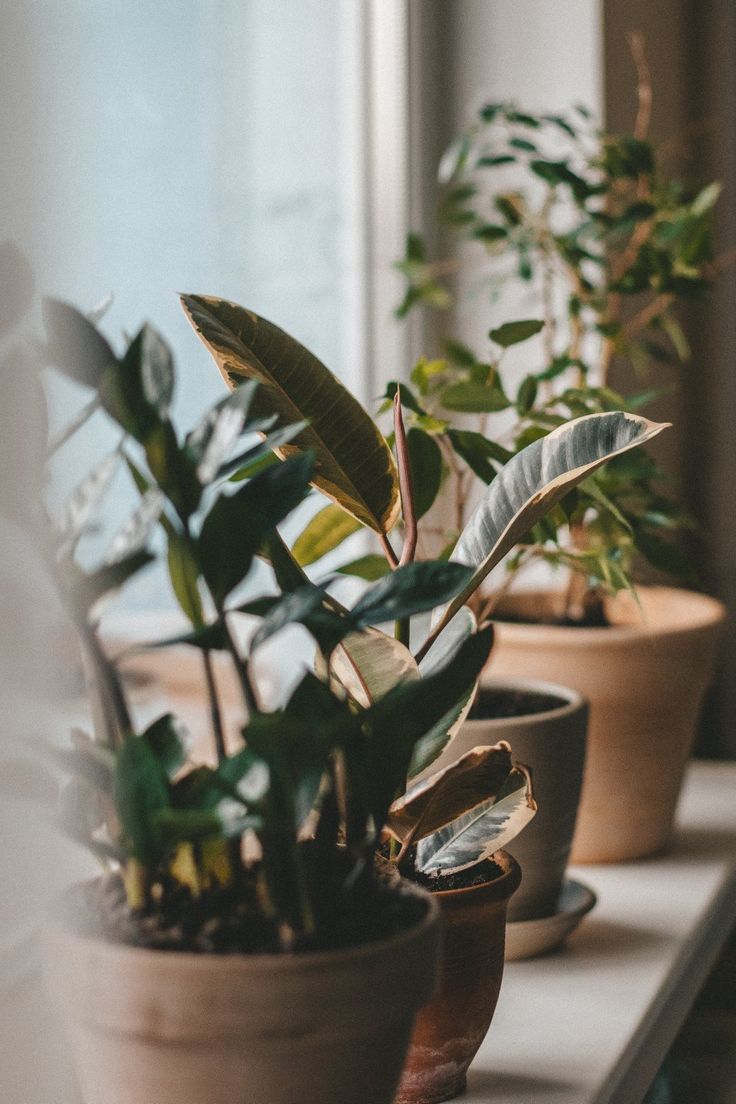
441 823
595 232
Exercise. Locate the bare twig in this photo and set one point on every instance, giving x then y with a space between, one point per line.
644 85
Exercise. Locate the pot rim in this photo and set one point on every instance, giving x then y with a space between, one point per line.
712 613
62 929
572 701
497 889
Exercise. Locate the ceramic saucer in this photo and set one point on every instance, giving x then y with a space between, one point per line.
528 938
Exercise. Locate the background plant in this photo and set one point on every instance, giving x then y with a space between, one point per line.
610 247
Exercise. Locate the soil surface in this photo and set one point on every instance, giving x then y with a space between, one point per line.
494 705
230 921
485 871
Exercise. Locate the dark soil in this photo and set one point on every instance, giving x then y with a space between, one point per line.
493 705
230 921
485 871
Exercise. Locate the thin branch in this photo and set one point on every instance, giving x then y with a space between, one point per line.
644 85
241 667
653 310
391 556
405 484
215 712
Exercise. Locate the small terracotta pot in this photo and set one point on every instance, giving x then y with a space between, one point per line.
164 1027
645 677
450 1029
552 743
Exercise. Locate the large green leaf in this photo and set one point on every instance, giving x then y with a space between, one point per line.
533 482
354 465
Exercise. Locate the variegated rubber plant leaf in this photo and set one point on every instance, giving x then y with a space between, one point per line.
354 464
531 483
484 829
471 780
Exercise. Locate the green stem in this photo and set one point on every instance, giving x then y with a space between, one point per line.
215 712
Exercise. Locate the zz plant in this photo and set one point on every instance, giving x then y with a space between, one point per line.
608 245
456 818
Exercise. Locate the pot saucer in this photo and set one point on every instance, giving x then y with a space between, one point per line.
529 938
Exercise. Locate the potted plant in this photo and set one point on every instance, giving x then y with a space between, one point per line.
593 231
355 468
244 933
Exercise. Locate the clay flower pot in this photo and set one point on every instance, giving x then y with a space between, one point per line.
645 677
450 1029
549 737
180 1028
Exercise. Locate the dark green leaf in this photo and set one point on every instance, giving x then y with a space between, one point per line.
475 398
407 591
478 451
141 792
425 461
512 333
458 353
166 739
184 575
526 395
238 524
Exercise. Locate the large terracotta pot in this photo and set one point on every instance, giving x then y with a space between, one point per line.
450 1029
645 677
552 743
163 1027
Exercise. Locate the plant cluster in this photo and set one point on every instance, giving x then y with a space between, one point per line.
286 841
314 783
608 246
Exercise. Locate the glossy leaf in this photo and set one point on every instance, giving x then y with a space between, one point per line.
473 779
325 532
409 590
218 431
184 576
353 463
434 742
238 524
475 835
425 460
392 726
141 792
533 482
368 664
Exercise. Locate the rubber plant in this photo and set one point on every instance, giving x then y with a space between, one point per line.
607 245
446 822
313 782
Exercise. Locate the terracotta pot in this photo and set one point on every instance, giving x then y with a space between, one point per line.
163 1027
645 677
450 1029
552 743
